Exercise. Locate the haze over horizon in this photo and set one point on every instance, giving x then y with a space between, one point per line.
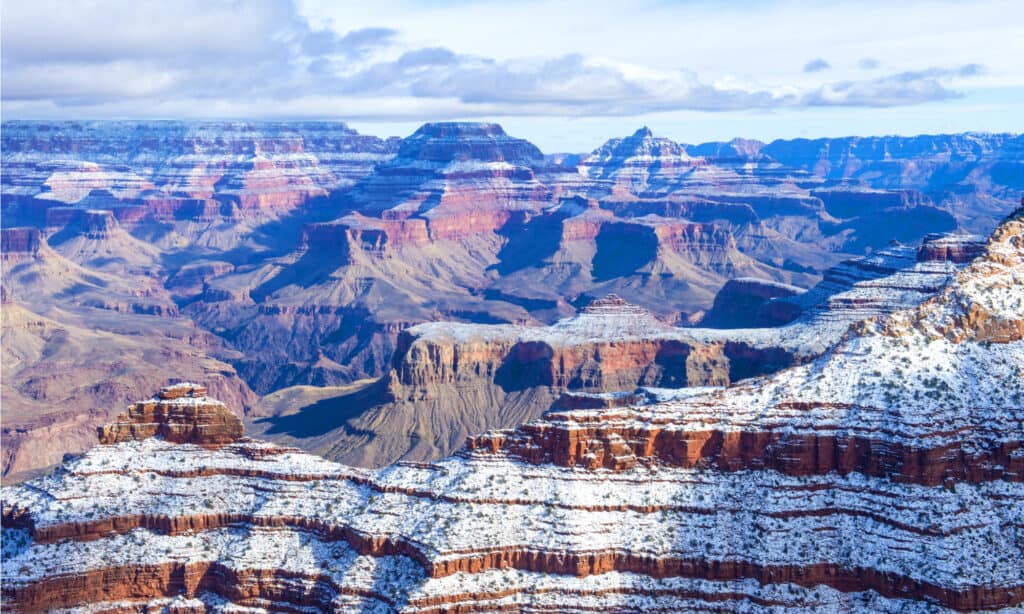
564 75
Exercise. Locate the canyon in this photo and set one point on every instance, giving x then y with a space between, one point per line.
291 261
885 472
449 381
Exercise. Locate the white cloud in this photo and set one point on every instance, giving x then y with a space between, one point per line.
817 65
396 61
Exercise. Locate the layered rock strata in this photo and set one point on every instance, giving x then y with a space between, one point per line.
181 413
262 255
451 380
921 509
164 171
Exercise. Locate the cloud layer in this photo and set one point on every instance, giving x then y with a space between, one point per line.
263 58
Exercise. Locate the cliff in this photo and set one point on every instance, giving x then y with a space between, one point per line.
168 170
265 255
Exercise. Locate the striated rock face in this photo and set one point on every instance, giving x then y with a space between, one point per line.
610 345
465 223
885 475
639 164
449 381
76 342
20 243
181 413
460 178
174 169
839 426
952 248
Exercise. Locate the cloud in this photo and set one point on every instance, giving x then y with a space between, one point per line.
355 44
868 63
580 86
262 57
816 65
911 87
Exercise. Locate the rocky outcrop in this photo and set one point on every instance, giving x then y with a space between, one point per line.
958 248
372 236
295 253
640 164
460 178
611 345
772 426
61 380
181 413
451 380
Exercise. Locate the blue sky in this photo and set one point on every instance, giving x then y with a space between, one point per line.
566 74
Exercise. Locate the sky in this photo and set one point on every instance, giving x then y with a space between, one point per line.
565 74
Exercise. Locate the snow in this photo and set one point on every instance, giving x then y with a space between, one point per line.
882 283
482 502
920 377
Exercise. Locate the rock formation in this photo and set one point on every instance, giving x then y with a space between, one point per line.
885 475
640 164
169 170
181 413
746 303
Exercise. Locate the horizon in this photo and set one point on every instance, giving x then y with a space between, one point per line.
367 132
562 75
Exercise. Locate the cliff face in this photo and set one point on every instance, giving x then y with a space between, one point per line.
80 343
460 178
474 220
885 475
611 345
746 303
639 164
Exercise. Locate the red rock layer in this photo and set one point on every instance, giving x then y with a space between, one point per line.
182 414
370 235
951 249
619 447
593 366
171 579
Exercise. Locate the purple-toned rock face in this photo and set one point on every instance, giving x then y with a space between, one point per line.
173 170
639 163
746 303
466 141
20 241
